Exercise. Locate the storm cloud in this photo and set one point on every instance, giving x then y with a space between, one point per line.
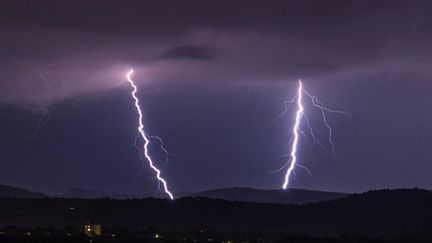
191 52
86 46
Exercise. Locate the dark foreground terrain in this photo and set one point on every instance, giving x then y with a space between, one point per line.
201 237
376 216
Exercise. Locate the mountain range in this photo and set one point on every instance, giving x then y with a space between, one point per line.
295 196
291 196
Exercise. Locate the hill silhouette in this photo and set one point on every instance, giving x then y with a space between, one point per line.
296 196
84 193
14 192
95 194
383 213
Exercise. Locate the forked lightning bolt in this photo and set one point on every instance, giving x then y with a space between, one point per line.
297 131
145 137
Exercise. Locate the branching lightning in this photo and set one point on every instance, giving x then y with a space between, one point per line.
41 123
162 147
145 137
297 130
323 109
45 116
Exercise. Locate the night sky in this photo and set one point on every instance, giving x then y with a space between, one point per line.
213 76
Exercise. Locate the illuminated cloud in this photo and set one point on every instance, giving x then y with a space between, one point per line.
191 42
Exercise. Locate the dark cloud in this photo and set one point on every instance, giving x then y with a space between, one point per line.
168 17
190 52
80 45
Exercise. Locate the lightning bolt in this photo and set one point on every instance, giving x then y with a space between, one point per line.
145 137
297 131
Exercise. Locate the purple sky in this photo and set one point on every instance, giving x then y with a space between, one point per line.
212 77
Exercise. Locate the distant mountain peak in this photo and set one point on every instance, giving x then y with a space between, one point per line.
15 192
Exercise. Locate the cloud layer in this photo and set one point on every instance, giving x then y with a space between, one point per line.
53 50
